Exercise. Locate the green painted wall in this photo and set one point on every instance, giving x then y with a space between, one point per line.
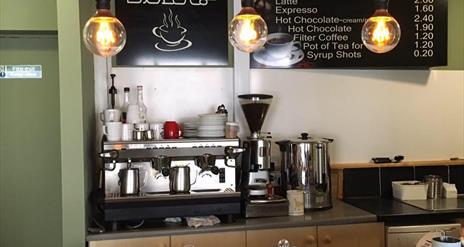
27 14
77 117
455 35
30 165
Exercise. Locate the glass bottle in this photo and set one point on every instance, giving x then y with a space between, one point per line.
125 104
141 105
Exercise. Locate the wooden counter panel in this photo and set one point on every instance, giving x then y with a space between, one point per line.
135 242
223 239
297 236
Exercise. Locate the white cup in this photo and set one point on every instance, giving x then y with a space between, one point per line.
295 202
157 130
281 45
446 241
132 114
110 115
127 132
113 131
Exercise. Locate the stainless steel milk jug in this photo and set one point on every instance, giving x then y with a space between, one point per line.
179 179
129 181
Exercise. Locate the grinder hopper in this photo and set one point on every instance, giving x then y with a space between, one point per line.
255 107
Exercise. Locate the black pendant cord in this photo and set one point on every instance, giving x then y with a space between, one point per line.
113 91
103 4
248 3
381 4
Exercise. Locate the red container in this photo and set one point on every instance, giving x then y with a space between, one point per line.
171 130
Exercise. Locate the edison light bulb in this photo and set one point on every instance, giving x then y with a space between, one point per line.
381 32
104 34
248 30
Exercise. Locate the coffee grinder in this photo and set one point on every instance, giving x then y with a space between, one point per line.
258 200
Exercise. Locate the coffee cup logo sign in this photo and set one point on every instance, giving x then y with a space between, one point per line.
170 2
172 34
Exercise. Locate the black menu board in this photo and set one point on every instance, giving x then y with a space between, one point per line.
327 34
173 32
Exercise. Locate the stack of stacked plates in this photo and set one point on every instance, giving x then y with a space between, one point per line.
212 125
190 130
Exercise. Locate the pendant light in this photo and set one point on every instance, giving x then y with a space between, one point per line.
104 34
381 32
248 30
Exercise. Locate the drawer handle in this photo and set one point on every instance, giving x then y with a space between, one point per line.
327 239
188 245
311 239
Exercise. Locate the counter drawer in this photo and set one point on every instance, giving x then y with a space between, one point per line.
223 239
356 235
135 242
297 236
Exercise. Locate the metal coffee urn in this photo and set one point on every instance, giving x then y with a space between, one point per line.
306 166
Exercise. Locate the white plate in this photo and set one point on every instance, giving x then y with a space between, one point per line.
294 57
190 125
210 135
212 127
190 131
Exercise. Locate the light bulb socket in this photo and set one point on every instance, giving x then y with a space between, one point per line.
248 3
381 4
103 4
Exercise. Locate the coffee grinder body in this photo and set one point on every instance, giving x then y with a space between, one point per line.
257 195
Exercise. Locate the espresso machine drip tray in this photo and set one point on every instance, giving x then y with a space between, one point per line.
155 197
159 206
275 199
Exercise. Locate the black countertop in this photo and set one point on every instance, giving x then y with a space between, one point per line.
393 212
341 213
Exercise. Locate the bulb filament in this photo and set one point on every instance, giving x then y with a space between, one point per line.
248 33
105 36
381 34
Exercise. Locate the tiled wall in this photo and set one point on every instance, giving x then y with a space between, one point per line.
376 182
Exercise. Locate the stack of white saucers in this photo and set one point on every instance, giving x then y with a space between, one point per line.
212 125
190 130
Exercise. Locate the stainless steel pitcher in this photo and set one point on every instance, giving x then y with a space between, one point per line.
306 166
179 179
129 181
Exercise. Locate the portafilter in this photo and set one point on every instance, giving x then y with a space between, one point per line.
207 162
161 163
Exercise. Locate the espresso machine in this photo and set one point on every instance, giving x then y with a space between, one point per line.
258 199
158 179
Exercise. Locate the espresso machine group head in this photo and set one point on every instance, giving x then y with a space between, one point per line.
257 198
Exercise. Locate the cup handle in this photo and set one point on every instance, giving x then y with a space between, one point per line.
155 32
180 130
105 130
102 116
296 45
